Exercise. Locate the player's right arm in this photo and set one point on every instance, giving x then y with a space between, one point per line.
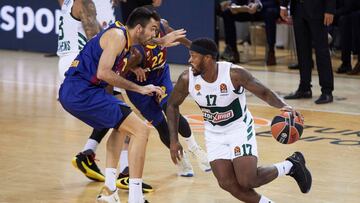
113 43
177 97
85 11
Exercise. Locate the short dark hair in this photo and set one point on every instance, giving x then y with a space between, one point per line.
207 45
141 16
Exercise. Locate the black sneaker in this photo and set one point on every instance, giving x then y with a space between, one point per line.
85 162
122 182
299 172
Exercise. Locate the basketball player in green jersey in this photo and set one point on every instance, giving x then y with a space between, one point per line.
219 90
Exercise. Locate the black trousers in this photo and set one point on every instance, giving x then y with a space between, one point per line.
268 14
308 30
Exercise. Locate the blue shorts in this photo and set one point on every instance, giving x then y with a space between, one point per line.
149 106
91 104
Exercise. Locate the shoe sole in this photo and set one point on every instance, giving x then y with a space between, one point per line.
92 175
186 175
123 184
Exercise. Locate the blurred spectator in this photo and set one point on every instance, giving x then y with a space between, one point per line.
249 10
348 14
310 19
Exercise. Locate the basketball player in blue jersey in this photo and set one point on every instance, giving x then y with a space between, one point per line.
80 20
83 95
155 70
219 90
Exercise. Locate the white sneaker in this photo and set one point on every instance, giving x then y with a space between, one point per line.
108 196
201 158
184 167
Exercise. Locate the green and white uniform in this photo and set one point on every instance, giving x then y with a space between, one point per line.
229 126
72 37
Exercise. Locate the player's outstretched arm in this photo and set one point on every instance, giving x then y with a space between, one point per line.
177 97
170 39
184 41
240 77
113 43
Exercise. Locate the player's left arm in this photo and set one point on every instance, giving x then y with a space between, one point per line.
88 18
177 97
240 77
184 41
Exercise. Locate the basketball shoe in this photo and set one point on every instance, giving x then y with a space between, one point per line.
299 172
184 166
108 196
85 162
201 158
122 182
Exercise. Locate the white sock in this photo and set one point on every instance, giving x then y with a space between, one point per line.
283 167
110 178
135 190
91 144
264 199
191 142
123 160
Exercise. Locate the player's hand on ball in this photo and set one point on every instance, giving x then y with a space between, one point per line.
293 111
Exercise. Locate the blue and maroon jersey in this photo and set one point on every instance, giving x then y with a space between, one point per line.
86 63
153 56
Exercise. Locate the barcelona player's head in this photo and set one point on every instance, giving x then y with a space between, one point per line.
145 22
203 52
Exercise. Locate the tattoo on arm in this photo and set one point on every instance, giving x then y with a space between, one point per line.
88 18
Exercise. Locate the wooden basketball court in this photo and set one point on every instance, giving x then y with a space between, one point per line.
39 139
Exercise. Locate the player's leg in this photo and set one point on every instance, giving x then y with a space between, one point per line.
220 154
139 132
224 172
84 160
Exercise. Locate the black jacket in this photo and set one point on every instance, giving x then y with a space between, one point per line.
315 8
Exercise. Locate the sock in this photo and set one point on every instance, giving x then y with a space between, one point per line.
264 199
135 190
191 142
110 178
283 167
91 144
123 160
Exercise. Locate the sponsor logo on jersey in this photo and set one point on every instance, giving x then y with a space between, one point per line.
223 88
217 117
237 151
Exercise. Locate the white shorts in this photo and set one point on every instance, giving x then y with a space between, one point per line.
64 64
231 144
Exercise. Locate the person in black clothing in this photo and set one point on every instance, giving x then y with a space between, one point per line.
349 14
259 10
310 19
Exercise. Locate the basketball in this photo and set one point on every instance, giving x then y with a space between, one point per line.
287 128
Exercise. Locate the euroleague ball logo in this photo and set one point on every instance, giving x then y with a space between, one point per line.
197 87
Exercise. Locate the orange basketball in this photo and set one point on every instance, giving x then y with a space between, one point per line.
287 128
